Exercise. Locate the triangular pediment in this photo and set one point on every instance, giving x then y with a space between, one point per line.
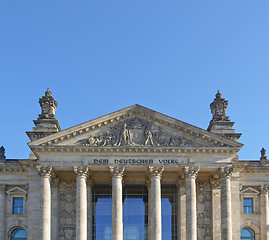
135 126
250 190
16 190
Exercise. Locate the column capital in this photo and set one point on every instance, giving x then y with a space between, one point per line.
155 172
264 189
191 171
180 182
45 171
215 183
117 172
81 171
225 172
3 187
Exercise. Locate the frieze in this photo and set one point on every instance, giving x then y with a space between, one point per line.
136 132
135 161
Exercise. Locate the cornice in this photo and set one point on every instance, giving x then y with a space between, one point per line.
172 150
147 114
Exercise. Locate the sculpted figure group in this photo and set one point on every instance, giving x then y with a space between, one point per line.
135 132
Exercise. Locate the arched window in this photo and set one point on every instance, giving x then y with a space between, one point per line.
19 234
247 234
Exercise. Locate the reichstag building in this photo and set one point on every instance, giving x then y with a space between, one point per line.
134 174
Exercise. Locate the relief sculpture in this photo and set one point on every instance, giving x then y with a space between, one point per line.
67 211
136 132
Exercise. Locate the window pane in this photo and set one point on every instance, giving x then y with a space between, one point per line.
248 205
17 205
19 234
247 234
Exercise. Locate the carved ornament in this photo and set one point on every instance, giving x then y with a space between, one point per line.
45 171
215 183
81 171
117 172
191 172
264 189
136 132
155 172
226 172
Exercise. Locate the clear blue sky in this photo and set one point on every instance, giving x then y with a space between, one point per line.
100 56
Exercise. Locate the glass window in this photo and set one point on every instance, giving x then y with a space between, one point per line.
17 205
247 234
169 212
248 205
135 212
102 213
19 234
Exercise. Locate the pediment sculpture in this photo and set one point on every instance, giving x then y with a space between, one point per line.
136 132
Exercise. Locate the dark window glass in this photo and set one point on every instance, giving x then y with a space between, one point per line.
135 212
19 234
248 205
169 212
102 213
17 205
247 234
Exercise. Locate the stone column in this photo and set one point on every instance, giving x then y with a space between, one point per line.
264 212
216 211
2 211
89 184
45 229
190 176
54 208
181 212
149 209
117 221
225 174
155 174
81 202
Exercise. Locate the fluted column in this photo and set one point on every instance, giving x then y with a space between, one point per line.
45 173
225 174
216 211
89 190
149 209
181 212
191 218
155 174
117 218
81 202
264 212
2 211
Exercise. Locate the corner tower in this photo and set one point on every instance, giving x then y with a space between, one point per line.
220 123
46 123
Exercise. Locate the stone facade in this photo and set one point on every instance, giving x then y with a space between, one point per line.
134 146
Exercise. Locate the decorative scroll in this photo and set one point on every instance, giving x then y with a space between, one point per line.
226 172
204 201
191 172
136 132
44 171
67 211
156 172
81 171
265 189
117 172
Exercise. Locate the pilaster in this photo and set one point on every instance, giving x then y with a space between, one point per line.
225 174
216 210
264 212
2 211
